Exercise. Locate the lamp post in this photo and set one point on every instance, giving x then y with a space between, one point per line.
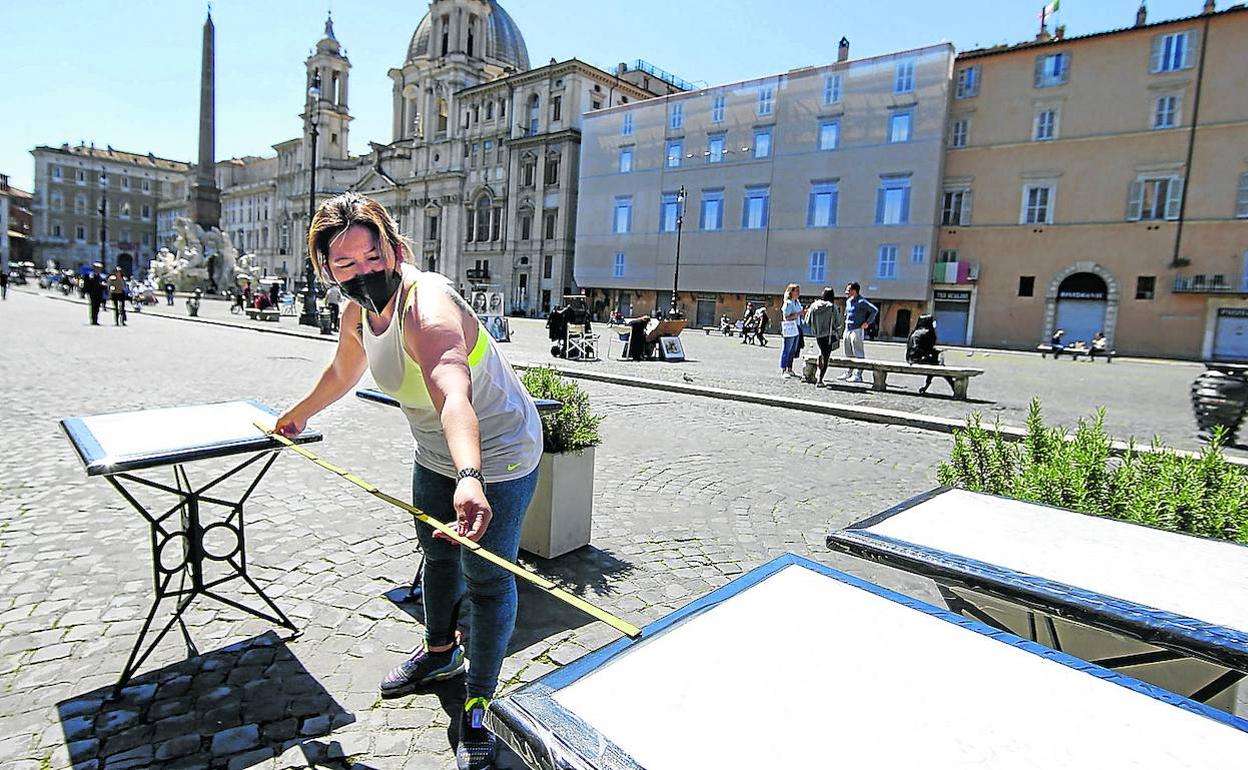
680 224
104 218
310 316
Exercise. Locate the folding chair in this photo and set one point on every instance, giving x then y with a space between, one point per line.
584 343
623 335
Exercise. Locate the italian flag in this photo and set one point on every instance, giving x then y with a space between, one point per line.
1050 9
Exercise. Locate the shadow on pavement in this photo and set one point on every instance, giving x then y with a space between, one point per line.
238 705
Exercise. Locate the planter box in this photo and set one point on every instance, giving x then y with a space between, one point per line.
559 516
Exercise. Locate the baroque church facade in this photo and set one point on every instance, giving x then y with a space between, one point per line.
481 169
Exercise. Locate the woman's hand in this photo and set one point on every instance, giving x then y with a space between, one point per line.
290 424
472 510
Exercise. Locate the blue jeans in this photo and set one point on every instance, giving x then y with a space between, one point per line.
450 573
789 352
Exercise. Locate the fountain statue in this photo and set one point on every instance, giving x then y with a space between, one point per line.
204 260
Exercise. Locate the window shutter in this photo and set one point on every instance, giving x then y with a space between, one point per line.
879 206
905 205
1189 49
1174 197
1155 64
810 209
1135 201
1241 206
834 197
745 213
966 208
1039 78
1065 68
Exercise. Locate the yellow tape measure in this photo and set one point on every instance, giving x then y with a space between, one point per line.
628 629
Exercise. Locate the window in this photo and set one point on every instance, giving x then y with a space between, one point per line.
892 201
58 203
899 126
1045 128
829 134
56 229
1037 205
958 132
125 211
556 109
627 127
1166 111
535 113
918 254
1155 198
1173 52
668 213
822 204
431 226
886 264
712 210
548 264
526 227
626 160
623 222
715 149
717 108
1241 201
56 173
82 177
80 233
676 115
528 171
617 270
125 185
903 76
552 169
80 204
147 186
1026 285
674 151
762 143
754 208
766 99
550 222
818 267
597 104
1145 286
489 110
956 208
968 83
832 89
1052 70
104 179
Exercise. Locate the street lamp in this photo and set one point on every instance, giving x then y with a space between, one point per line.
680 224
310 316
104 218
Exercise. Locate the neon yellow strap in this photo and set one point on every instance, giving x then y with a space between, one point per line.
478 701
624 627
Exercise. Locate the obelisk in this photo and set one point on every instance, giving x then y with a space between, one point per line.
205 197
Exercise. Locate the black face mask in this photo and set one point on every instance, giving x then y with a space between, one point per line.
372 290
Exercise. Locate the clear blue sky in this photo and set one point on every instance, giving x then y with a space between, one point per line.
127 73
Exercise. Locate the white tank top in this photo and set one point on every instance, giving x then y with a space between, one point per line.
511 430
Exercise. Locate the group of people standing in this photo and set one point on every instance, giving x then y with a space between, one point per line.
828 325
98 289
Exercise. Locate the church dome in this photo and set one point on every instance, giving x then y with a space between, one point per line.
503 44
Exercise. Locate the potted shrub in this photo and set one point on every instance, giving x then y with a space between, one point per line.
559 517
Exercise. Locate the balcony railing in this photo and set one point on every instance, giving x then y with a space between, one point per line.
474 274
1210 283
955 272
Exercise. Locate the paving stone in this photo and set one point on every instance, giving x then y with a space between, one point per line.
177 747
235 739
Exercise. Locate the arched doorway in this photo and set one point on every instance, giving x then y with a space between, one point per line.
126 263
1082 299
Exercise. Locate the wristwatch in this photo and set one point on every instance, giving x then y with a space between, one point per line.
470 473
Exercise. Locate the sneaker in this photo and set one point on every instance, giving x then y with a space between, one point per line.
856 378
422 669
477 747
844 376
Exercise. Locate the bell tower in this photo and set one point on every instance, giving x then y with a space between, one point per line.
330 112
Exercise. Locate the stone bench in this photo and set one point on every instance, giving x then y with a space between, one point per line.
731 332
268 314
880 370
1075 352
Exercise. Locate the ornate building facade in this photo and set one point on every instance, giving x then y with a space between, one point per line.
481 168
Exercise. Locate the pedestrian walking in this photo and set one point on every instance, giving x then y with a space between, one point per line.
859 314
475 427
117 295
747 324
760 327
169 289
790 321
93 287
333 299
921 348
274 294
4 284
826 324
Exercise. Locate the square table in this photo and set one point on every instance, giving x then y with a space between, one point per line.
1168 608
795 664
205 545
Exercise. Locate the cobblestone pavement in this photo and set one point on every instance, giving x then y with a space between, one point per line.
676 514
1142 397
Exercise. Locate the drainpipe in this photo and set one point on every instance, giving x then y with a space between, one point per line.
1191 144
